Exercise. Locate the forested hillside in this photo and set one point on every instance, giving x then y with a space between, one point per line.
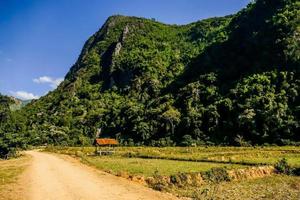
11 131
232 80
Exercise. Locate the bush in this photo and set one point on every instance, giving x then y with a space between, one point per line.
216 175
162 142
7 152
240 141
187 141
283 167
181 179
296 171
287 142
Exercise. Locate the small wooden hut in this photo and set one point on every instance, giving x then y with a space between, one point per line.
105 146
106 142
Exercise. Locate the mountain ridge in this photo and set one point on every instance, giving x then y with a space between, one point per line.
229 80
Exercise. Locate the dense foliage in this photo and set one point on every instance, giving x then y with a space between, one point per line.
232 80
11 128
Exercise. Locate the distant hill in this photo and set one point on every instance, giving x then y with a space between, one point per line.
227 80
17 104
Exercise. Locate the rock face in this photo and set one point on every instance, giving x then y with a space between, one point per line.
150 83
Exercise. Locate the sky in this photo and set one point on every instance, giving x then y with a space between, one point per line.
41 39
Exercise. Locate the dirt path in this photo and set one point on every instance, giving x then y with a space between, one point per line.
52 178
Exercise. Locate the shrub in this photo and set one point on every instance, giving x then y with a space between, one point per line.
181 179
216 175
158 182
296 171
287 142
283 167
162 142
187 140
7 152
240 141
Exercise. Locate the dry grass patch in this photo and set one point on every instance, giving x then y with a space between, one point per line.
275 187
9 174
272 187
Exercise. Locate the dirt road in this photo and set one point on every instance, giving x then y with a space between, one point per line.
53 178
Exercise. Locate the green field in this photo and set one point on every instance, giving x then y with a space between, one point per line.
237 155
151 167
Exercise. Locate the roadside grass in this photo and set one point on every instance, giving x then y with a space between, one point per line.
10 170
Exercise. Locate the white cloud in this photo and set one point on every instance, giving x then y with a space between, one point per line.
43 79
24 95
53 82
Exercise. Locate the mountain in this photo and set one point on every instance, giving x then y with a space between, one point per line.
227 80
262 37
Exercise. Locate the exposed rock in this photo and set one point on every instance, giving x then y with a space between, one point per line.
150 180
138 179
125 32
118 49
123 174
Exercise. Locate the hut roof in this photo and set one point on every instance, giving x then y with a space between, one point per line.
104 141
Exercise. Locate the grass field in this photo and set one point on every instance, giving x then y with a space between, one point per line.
10 169
237 155
173 161
151 167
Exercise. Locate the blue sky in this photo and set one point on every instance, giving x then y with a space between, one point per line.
41 39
